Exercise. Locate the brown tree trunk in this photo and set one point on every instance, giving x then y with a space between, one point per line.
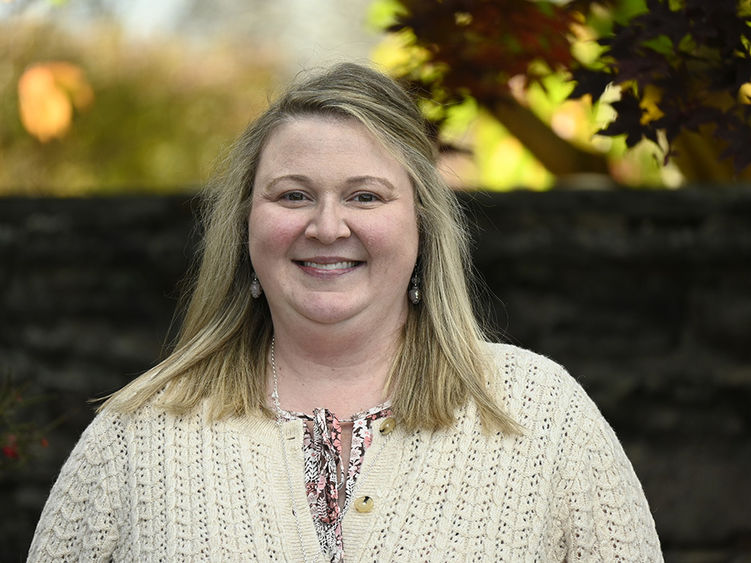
556 154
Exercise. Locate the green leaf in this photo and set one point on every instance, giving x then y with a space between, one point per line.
383 13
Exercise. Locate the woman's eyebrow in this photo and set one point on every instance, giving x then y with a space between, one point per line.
298 178
352 181
371 179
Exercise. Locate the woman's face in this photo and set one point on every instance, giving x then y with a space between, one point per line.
332 229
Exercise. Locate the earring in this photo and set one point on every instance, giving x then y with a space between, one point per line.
255 287
414 291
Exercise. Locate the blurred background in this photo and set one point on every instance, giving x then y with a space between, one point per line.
104 97
600 148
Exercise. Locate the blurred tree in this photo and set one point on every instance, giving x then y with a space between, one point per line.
96 113
504 55
476 48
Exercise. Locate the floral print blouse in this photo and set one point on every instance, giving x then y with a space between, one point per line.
325 478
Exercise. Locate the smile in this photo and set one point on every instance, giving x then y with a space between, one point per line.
333 266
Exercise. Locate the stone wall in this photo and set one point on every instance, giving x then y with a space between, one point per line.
644 296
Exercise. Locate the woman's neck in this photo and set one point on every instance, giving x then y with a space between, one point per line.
345 373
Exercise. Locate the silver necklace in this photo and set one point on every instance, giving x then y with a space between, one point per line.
275 390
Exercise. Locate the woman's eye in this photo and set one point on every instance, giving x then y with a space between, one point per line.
365 197
293 196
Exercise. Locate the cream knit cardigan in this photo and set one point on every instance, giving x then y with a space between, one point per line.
154 487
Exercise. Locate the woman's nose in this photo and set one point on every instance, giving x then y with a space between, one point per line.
328 223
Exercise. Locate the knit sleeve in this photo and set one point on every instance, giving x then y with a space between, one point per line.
607 512
79 521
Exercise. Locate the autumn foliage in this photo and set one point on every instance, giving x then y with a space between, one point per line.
677 72
480 49
684 70
477 46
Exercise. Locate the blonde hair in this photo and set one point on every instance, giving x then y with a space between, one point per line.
221 351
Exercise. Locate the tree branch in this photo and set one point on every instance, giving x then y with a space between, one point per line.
556 154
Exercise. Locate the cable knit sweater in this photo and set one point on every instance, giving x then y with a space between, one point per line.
154 487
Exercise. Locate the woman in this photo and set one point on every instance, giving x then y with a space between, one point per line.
330 395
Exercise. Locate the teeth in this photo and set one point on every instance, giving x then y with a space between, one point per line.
334 266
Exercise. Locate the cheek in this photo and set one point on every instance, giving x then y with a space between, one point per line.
396 238
269 235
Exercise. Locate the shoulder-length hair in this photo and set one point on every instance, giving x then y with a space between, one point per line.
221 352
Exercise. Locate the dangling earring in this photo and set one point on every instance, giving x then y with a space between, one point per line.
255 287
414 290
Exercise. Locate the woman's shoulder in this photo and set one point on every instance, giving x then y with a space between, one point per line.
567 443
515 365
111 428
549 404
113 425
528 382
109 417
509 353
154 422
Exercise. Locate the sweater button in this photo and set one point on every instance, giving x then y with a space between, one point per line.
388 426
364 504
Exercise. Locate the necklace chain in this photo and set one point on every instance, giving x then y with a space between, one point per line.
275 390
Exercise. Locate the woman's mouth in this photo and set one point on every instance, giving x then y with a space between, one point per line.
343 265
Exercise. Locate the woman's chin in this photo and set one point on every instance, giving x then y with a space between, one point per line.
330 311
